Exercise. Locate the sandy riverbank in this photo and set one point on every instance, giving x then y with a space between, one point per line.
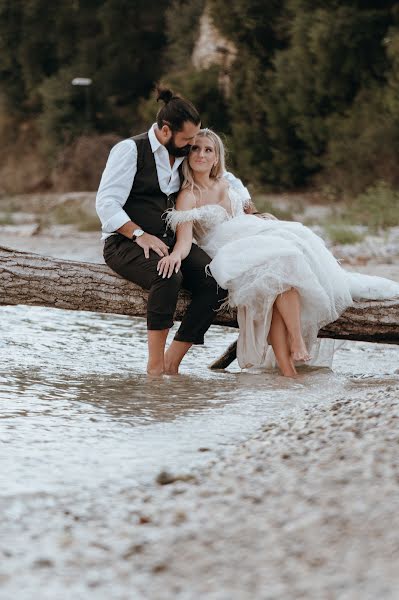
306 508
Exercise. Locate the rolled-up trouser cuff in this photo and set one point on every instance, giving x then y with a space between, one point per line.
189 340
158 322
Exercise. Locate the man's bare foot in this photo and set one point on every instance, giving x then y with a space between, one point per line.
171 369
174 355
155 369
299 352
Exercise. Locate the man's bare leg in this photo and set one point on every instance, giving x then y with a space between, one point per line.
156 349
174 355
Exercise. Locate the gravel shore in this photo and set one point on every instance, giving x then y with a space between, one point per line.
306 508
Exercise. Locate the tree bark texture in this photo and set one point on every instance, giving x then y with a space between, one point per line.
31 279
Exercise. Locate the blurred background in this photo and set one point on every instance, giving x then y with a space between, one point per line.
305 93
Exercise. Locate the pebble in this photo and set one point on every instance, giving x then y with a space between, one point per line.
165 477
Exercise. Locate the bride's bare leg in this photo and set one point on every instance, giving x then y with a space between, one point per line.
289 307
278 338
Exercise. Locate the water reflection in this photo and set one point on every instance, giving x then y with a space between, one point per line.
78 410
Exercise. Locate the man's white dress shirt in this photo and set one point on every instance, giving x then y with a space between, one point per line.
118 177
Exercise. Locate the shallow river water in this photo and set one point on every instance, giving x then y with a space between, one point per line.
77 410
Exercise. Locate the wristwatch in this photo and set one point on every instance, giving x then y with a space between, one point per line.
137 233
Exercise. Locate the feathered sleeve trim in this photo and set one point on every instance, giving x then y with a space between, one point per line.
175 217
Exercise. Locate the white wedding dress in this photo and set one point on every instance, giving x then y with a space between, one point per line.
257 259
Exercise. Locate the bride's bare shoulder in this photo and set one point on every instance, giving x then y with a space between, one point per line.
185 200
223 189
223 183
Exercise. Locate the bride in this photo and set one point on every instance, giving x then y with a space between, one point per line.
284 282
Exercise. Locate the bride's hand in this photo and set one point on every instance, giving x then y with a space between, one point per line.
168 264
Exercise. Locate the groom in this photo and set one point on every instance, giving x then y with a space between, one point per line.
139 183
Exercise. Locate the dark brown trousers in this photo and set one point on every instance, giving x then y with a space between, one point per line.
127 259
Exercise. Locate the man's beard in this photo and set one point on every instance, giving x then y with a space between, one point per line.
175 151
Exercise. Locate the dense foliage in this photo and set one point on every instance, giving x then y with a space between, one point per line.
314 89
117 43
316 83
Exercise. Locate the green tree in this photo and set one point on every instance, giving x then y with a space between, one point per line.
334 53
182 28
257 30
118 44
302 64
12 84
134 40
202 87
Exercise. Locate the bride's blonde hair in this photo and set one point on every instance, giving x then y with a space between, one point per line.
217 170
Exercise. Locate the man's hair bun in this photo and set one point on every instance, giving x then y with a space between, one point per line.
175 114
165 94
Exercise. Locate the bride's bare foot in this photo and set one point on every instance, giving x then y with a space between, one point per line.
288 369
299 352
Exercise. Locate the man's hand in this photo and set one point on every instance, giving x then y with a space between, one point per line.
168 265
151 242
266 216
252 210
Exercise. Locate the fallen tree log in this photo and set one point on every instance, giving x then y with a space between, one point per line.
35 280
32 279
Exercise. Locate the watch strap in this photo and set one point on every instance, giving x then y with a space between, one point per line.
135 235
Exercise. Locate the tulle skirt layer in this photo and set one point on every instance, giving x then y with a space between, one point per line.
256 260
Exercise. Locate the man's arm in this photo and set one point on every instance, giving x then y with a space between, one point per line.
115 186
